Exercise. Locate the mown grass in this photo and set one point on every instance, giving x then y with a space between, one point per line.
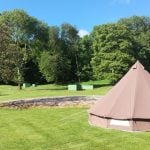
11 92
62 129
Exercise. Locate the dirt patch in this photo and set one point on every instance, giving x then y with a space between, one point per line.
52 102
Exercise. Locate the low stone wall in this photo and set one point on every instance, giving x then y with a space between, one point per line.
52 102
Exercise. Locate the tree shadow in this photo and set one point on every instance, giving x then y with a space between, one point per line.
53 89
102 85
4 94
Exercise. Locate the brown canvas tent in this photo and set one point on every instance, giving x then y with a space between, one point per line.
127 104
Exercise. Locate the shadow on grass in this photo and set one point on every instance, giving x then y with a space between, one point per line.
53 89
102 85
4 94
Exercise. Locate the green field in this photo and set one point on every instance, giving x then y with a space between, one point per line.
62 129
11 92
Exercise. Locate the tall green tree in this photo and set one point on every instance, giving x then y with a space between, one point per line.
26 35
70 40
5 71
85 53
112 51
10 57
62 55
54 67
139 26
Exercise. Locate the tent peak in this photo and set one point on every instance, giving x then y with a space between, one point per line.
137 65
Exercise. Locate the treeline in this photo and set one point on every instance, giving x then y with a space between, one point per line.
31 51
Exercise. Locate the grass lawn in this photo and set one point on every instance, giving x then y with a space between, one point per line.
11 92
62 129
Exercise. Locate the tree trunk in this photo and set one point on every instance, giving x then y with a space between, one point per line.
19 86
77 65
19 79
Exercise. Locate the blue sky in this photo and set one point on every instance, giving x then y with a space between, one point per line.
83 14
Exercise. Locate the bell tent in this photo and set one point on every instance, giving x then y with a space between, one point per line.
127 104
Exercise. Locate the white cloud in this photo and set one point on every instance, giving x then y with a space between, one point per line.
121 1
83 32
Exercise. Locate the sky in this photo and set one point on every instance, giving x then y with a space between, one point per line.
83 14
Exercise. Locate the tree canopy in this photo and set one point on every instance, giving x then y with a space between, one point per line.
32 51
112 51
24 32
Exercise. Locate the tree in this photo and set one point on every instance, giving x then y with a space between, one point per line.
5 71
112 51
139 26
54 67
85 53
60 63
70 40
144 53
9 57
54 64
26 33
